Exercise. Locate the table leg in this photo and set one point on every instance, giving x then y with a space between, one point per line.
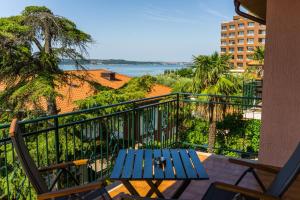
130 188
155 189
151 191
181 189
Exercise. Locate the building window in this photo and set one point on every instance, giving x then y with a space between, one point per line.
250 32
262 40
250 49
240 65
240 49
241 25
262 32
231 42
231 50
262 26
231 35
250 41
223 35
250 57
241 33
223 50
223 43
241 41
250 24
224 28
231 27
240 57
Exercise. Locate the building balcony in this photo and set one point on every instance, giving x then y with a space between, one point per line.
170 121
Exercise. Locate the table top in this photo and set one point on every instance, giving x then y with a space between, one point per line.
181 164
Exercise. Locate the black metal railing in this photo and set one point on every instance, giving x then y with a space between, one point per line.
98 133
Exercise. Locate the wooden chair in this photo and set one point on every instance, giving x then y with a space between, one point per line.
284 178
132 197
89 191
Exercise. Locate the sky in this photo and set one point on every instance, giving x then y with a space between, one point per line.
142 30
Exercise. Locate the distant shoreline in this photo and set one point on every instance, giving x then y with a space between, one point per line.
119 62
131 70
166 64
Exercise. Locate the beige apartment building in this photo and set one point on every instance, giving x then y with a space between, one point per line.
239 38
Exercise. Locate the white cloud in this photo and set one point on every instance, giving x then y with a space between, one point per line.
217 13
164 15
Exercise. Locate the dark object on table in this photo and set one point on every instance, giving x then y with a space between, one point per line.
140 165
284 178
89 191
161 161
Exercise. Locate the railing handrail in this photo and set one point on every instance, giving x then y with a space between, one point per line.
83 111
87 110
221 96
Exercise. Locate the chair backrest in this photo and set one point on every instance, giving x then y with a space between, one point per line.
287 175
25 159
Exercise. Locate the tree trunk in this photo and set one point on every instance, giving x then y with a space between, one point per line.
51 106
51 100
48 38
212 129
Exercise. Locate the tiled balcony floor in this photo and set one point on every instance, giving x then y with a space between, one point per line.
218 169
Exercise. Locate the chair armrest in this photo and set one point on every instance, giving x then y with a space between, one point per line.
263 167
244 191
132 197
70 191
64 165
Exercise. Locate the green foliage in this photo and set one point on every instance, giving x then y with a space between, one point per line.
198 132
233 133
177 83
29 10
212 75
136 88
43 151
259 54
31 46
252 133
187 72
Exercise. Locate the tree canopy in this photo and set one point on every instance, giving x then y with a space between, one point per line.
31 46
212 75
259 55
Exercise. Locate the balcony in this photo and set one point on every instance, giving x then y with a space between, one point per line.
159 122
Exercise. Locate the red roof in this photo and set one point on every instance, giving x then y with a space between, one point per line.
79 90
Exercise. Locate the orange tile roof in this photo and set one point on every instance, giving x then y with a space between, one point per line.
158 90
79 90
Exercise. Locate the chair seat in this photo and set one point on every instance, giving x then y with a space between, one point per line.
219 194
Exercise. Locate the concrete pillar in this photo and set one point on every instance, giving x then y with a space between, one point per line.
281 92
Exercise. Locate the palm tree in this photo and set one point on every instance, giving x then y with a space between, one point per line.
259 55
31 47
212 77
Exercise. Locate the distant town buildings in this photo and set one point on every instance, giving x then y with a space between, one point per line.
239 38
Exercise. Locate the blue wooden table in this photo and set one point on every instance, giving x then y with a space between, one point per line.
139 165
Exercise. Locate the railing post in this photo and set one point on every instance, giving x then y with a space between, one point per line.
56 139
177 116
134 126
